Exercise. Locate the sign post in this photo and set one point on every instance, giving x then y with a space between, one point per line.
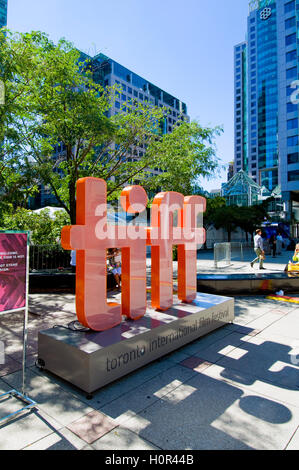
14 297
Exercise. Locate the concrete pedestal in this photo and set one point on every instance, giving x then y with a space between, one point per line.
92 360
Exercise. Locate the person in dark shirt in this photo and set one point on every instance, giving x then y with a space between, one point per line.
273 242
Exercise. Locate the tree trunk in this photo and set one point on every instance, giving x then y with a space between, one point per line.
72 189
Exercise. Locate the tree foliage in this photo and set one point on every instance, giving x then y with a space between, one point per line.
230 218
44 230
52 102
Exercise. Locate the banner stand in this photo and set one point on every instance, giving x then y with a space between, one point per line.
15 393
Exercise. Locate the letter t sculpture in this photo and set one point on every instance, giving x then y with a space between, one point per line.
91 238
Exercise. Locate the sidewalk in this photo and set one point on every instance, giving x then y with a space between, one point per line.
205 263
236 388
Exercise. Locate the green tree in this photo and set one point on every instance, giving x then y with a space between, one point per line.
213 205
16 177
183 155
44 230
225 217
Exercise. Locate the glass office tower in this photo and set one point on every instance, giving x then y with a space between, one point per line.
3 13
269 125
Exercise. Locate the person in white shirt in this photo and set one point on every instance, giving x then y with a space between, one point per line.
114 257
259 249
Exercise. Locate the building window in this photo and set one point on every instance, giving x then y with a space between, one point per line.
290 56
291 108
293 158
117 104
130 90
290 22
291 73
293 141
293 176
291 39
290 6
292 124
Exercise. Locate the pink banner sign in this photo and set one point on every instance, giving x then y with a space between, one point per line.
13 258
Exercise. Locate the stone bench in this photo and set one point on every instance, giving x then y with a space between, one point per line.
247 284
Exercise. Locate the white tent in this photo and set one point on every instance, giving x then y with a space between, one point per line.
52 210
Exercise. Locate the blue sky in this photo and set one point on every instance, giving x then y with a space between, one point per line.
184 47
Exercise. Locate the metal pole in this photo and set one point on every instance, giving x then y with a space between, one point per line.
25 319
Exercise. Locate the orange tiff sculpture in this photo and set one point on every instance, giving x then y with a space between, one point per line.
92 236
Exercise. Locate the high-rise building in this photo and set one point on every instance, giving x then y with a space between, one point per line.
109 72
266 119
230 171
3 13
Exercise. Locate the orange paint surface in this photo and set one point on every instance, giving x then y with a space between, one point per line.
92 236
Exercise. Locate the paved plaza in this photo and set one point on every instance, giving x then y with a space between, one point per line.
235 389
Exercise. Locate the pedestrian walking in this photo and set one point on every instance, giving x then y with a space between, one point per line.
279 242
259 249
273 245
